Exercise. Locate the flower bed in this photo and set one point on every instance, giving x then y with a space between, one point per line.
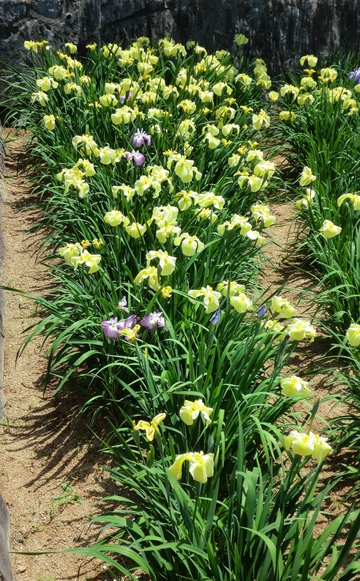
154 194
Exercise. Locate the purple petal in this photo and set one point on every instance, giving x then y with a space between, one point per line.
147 322
130 322
152 320
139 158
110 328
355 75
215 318
139 138
262 311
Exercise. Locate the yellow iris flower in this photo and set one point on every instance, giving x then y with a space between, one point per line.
329 229
211 298
354 199
192 409
353 335
299 330
294 385
283 307
201 466
50 122
151 428
308 445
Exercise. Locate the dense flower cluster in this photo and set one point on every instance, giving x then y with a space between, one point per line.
172 189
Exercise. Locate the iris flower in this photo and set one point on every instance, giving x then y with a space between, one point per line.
306 176
329 229
283 307
215 318
230 288
201 466
113 328
261 312
241 39
353 335
189 244
307 445
122 305
136 156
355 75
191 409
140 138
115 218
310 58
354 199
110 328
167 263
294 385
152 320
151 274
151 428
211 298
241 303
299 330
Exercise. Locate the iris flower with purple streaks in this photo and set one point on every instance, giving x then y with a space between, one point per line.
136 156
140 138
152 320
355 75
112 327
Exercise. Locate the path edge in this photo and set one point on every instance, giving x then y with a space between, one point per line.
2 262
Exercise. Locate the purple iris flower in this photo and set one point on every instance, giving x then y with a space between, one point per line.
215 318
153 320
261 312
139 138
355 75
136 156
128 323
110 328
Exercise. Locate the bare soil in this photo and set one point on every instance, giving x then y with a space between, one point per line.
46 444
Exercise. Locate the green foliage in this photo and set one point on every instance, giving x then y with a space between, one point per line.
330 148
180 236
249 521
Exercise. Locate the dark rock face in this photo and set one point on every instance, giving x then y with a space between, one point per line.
135 18
49 9
283 30
280 31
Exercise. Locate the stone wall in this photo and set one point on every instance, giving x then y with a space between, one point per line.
280 31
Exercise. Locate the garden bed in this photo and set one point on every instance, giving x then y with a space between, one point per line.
175 314
46 444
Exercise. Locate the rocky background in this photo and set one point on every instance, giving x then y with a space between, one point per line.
280 31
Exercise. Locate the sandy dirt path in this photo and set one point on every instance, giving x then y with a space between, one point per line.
45 444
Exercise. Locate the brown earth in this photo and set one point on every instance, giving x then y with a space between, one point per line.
45 443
